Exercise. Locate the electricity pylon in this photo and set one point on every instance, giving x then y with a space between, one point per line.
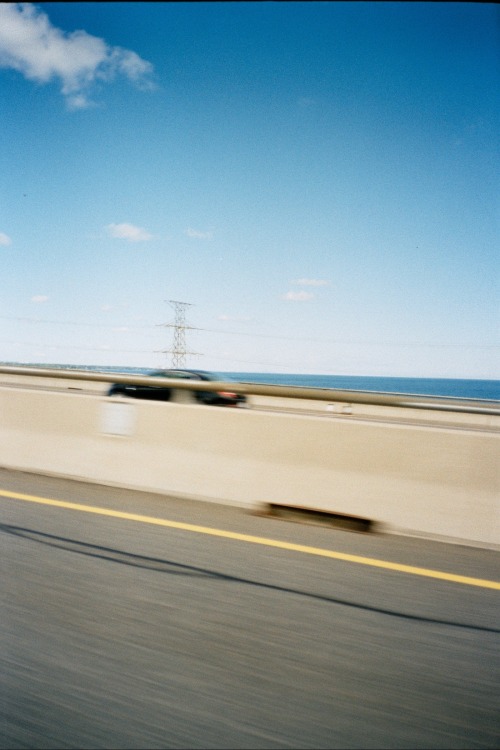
178 350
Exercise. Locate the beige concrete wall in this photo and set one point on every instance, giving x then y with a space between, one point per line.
55 384
351 411
427 479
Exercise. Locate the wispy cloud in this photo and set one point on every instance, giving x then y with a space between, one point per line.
30 44
5 239
129 232
234 319
39 298
197 235
304 296
298 296
311 282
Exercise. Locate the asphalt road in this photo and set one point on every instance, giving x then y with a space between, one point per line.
131 632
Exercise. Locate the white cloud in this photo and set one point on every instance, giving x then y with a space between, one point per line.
129 232
311 282
298 296
233 318
77 60
39 298
5 239
79 101
196 234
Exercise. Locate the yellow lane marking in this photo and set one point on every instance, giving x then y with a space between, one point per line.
385 564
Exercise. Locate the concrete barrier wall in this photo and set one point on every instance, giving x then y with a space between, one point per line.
58 384
424 479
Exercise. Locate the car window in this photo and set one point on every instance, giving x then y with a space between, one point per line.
178 375
221 376
187 375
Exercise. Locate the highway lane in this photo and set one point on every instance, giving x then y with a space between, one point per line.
334 411
124 632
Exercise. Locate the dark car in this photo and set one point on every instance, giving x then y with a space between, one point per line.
161 393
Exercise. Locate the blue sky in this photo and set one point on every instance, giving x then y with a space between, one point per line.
319 181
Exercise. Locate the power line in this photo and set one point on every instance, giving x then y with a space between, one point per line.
255 362
103 349
180 344
349 341
72 323
275 365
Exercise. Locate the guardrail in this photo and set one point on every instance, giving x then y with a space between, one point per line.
409 401
435 476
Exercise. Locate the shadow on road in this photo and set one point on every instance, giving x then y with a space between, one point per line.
175 568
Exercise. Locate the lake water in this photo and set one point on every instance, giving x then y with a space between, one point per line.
450 387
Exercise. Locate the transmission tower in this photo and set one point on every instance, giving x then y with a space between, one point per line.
178 351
